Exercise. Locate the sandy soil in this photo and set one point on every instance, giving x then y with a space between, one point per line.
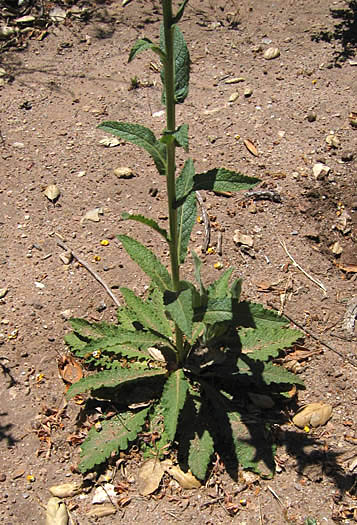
74 74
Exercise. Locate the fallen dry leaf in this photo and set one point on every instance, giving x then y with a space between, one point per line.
93 215
250 147
52 192
241 238
149 477
99 511
69 369
56 512
186 479
66 490
348 268
314 414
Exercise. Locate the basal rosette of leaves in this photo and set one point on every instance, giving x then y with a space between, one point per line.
182 361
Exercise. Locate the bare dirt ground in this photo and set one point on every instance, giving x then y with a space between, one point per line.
68 78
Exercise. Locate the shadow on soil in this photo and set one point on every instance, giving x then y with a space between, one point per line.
345 32
5 432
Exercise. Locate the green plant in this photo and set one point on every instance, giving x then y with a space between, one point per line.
181 362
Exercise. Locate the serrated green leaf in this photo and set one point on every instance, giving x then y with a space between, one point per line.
198 330
263 342
74 342
148 222
142 45
279 375
181 65
146 314
115 435
219 288
254 314
110 379
200 453
141 136
179 306
126 343
253 449
172 400
186 218
180 12
216 311
181 136
236 289
91 330
148 262
126 318
222 179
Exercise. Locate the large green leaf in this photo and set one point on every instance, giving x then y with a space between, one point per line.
184 182
146 314
253 448
263 342
216 311
179 306
110 379
141 136
92 330
219 289
200 453
181 65
197 265
148 222
172 400
186 218
115 435
142 45
148 262
222 179
279 375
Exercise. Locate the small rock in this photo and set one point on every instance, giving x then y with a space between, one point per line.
66 258
124 173
248 92
234 96
320 170
66 314
347 156
2 477
336 248
311 117
332 141
271 53
3 292
19 145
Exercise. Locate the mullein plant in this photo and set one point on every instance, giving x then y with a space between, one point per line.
183 362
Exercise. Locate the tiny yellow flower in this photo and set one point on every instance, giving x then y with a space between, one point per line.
96 353
104 242
211 250
199 220
314 81
30 478
306 429
97 258
218 266
39 378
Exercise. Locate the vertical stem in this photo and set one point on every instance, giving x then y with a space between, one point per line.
170 154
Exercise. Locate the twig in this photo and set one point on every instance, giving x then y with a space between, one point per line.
91 271
313 336
205 222
302 269
283 507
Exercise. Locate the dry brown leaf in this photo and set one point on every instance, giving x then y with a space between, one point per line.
150 476
69 369
99 511
52 192
250 147
66 490
314 414
241 238
348 268
56 512
186 479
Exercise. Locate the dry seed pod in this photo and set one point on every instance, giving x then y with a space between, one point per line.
271 52
156 354
52 192
56 512
186 479
314 414
66 490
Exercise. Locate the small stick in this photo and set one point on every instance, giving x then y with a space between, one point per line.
301 269
205 222
313 336
91 271
284 509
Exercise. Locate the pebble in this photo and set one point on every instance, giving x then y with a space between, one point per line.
347 156
2 476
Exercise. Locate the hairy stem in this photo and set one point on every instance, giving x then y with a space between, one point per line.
170 154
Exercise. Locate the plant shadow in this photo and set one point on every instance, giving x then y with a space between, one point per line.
5 432
345 32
